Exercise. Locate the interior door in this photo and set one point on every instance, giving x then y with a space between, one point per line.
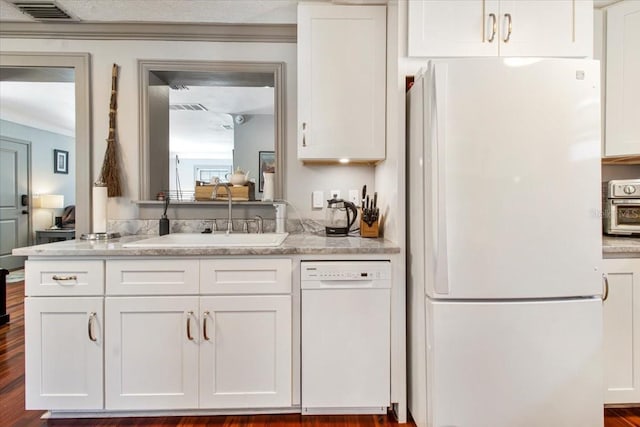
14 209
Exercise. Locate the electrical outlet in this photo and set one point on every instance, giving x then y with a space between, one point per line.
317 200
354 197
335 194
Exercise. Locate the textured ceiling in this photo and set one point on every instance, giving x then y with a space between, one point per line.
180 11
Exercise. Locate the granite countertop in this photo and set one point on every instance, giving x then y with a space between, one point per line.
294 244
616 245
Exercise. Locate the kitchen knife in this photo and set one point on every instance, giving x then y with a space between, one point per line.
375 200
364 193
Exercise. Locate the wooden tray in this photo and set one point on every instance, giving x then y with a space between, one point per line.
244 193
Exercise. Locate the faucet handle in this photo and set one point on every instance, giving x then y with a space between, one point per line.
245 227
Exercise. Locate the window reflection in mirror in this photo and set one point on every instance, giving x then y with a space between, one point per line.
204 120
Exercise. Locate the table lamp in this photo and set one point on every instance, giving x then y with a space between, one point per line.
52 201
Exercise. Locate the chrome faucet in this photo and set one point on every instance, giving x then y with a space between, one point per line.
214 196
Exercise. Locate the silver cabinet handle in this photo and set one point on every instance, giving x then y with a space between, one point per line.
304 134
92 318
494 27
189 336
605 294
64 278
204 325
509 27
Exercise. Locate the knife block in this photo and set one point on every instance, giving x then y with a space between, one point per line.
369 231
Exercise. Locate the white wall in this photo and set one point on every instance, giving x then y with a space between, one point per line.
299 179
43 180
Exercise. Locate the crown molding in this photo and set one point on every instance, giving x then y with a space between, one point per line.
264 33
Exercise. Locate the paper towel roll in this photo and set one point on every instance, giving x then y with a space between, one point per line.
99 209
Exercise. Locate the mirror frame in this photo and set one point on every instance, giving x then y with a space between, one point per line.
80 62
147 66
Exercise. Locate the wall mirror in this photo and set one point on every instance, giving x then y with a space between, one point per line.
202 120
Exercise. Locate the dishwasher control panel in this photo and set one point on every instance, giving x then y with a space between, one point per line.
345 270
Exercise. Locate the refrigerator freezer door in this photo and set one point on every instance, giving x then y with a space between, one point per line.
514 178
526 364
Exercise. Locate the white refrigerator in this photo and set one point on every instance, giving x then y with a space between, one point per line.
504 244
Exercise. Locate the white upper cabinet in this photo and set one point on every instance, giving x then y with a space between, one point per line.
341 82
551 28
622 131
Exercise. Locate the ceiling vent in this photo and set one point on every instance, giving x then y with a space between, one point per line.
43 10
188 107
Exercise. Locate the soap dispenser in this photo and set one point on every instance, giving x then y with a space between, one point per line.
164 221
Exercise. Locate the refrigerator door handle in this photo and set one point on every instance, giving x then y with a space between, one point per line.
438 181
605 293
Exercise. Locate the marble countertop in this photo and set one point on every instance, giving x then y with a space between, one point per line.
294 244
616 245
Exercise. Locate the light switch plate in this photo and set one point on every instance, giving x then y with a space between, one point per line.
317 200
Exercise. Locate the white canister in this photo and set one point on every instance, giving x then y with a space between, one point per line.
268 189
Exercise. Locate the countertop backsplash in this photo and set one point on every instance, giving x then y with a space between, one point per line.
149 227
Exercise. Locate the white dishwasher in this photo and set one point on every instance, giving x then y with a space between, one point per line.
346 337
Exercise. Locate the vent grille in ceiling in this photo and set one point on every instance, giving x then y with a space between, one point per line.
187 107
43 10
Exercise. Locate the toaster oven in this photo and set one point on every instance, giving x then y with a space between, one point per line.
621 207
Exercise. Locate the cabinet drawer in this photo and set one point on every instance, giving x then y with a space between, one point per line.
57 278
152 277
245 276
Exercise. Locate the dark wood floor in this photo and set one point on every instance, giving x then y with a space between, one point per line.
12 411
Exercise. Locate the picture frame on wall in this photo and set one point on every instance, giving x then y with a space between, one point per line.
60 161
266 163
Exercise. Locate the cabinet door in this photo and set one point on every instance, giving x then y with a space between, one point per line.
622 331
341 82
151 353
546 28
245 354
453 28
63 353
622 132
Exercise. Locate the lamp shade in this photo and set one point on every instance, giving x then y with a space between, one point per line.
52 201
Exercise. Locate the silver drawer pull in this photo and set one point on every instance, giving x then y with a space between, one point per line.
64 278
92 317
189 336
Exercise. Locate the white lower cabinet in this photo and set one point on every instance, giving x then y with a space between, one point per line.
245 353
160 336
150 362
198 351
63 353
191 352
622 332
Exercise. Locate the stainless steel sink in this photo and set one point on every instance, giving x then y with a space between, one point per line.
198 240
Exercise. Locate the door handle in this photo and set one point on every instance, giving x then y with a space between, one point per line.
507 16
605 293
494 26
25 212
